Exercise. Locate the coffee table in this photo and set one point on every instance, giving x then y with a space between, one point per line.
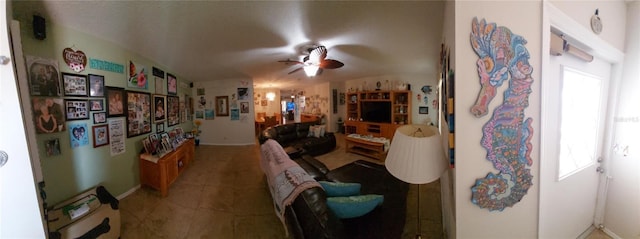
364 147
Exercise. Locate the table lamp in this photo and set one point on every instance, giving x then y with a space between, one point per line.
416 156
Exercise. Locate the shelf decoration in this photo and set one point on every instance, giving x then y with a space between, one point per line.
507 135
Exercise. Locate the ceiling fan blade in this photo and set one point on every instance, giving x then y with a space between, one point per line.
296 70
287 61
331 64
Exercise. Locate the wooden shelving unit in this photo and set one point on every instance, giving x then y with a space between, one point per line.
162 173
400 112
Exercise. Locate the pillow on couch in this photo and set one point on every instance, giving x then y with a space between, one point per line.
336 189
317 131
354 206
314 131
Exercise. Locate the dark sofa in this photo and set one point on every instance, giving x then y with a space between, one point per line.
309 217
294 137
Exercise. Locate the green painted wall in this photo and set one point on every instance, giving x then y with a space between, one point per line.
76 170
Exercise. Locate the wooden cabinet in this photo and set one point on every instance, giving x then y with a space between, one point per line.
400 112
160 173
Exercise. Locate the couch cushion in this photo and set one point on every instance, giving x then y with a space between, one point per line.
311 170
354 206
337 189
317 164
302 130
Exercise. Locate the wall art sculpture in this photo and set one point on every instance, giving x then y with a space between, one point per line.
507 135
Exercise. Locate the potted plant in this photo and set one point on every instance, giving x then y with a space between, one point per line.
196 131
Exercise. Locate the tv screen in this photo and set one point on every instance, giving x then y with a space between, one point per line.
379 112
291 106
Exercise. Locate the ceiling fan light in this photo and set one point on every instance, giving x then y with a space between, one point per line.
311 70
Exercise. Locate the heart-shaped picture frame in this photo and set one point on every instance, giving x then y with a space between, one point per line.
76 60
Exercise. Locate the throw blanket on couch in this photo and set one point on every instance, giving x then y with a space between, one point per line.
285 177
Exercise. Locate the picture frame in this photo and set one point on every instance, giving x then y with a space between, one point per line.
222 105
159 108
52 147
96 105
243 93
96 85
423 110
44 76
54 107
74 84
100 135
160 127
78 133
244 107
99 117
173 110
138 113
172 84
115 98
137 78
76 109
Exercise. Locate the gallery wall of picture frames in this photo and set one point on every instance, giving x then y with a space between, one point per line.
62 100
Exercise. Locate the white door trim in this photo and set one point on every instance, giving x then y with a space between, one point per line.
554 17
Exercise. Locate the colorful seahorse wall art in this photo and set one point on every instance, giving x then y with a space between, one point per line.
507 135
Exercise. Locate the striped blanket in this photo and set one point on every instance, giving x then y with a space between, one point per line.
285 177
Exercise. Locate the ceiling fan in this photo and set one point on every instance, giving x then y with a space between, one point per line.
315 62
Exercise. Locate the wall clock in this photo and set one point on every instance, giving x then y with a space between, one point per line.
596 23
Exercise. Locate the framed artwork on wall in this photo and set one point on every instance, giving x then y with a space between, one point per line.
423 110
96 105
172 84
96 85
138 113
100 135
159 108
173 110
76 109
99 117
115 97
74 84
43 76
159 128
48 114
222 105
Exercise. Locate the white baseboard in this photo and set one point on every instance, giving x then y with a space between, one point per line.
610 233
127 193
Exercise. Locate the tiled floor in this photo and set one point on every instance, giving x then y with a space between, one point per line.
223 194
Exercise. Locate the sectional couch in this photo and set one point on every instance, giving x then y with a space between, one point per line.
308 216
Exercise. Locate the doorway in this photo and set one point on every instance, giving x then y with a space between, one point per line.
578 98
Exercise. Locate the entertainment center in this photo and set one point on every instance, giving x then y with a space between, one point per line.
377 113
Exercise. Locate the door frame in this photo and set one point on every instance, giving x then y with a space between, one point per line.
554 17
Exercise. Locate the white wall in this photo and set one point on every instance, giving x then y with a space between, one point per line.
447 180
271 107
611 12
622 213
520 221
222 130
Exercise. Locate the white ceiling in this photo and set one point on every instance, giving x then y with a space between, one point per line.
212 40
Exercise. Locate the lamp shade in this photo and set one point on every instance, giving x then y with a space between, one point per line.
416 155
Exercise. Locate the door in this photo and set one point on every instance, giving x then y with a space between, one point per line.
575 97
19 210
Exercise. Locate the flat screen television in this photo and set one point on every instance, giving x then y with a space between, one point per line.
379 112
